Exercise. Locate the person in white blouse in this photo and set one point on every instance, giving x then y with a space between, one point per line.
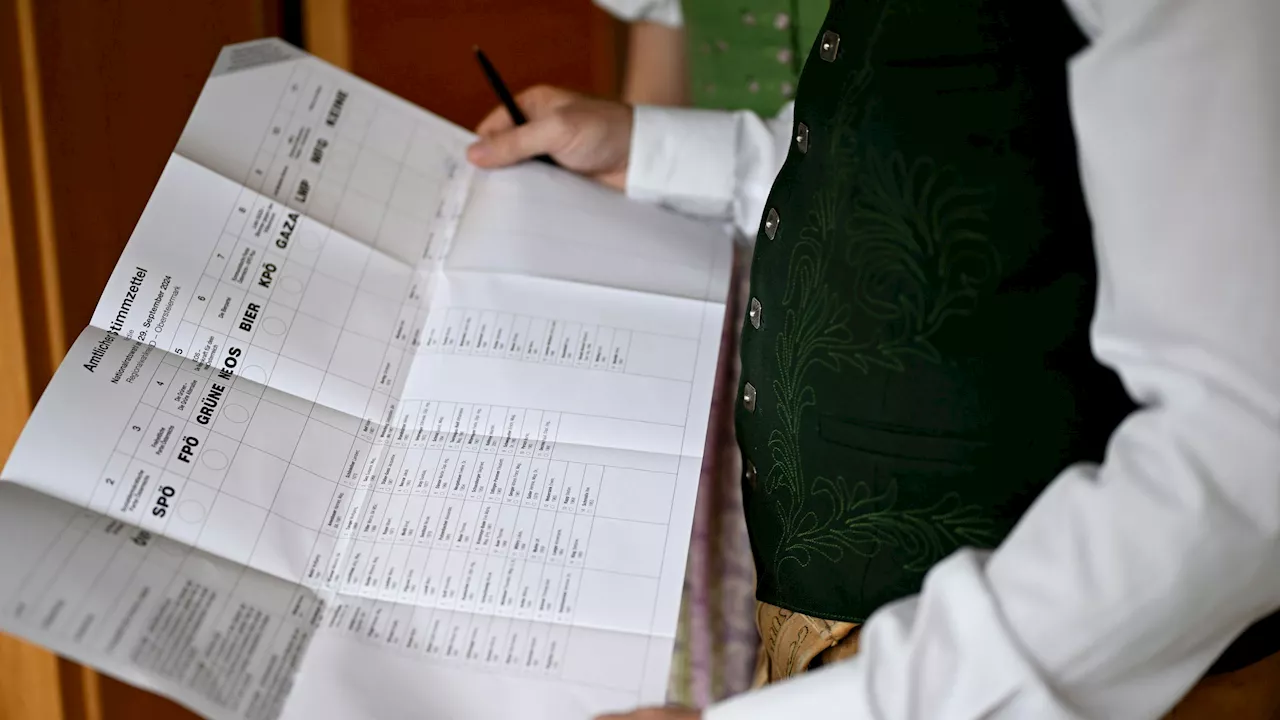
1125 580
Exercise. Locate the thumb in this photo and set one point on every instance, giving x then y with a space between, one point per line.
542 136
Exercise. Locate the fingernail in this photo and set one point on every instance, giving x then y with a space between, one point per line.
478 152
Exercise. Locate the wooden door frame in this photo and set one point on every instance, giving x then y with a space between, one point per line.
32 679
326 29
29 680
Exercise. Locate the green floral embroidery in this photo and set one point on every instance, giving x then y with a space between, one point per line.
917 262
867 525
917 252
912 236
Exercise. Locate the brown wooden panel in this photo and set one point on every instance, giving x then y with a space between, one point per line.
29 687
30 207
327 30
422 50
28 682
15 393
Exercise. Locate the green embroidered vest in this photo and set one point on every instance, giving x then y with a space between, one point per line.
915 359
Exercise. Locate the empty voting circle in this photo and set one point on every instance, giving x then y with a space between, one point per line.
291 285
235 413
214 459
254 373
274 326
310 240
191 511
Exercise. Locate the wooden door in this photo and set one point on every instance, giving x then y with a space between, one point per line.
422 50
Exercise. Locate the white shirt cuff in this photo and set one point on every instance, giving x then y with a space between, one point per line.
708 162
943 655
818 694
683 159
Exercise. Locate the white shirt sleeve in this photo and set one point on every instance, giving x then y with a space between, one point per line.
708 162
1124 582
663 12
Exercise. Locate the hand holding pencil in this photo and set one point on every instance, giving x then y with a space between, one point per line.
585 135
504 95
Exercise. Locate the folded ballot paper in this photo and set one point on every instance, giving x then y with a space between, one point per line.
358 431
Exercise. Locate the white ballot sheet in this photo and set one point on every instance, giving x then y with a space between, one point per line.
357 431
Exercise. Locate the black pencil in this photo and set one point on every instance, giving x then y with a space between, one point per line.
499 87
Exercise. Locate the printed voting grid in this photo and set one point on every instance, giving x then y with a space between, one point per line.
271 454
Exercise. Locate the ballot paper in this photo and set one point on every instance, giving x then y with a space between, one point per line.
359 431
